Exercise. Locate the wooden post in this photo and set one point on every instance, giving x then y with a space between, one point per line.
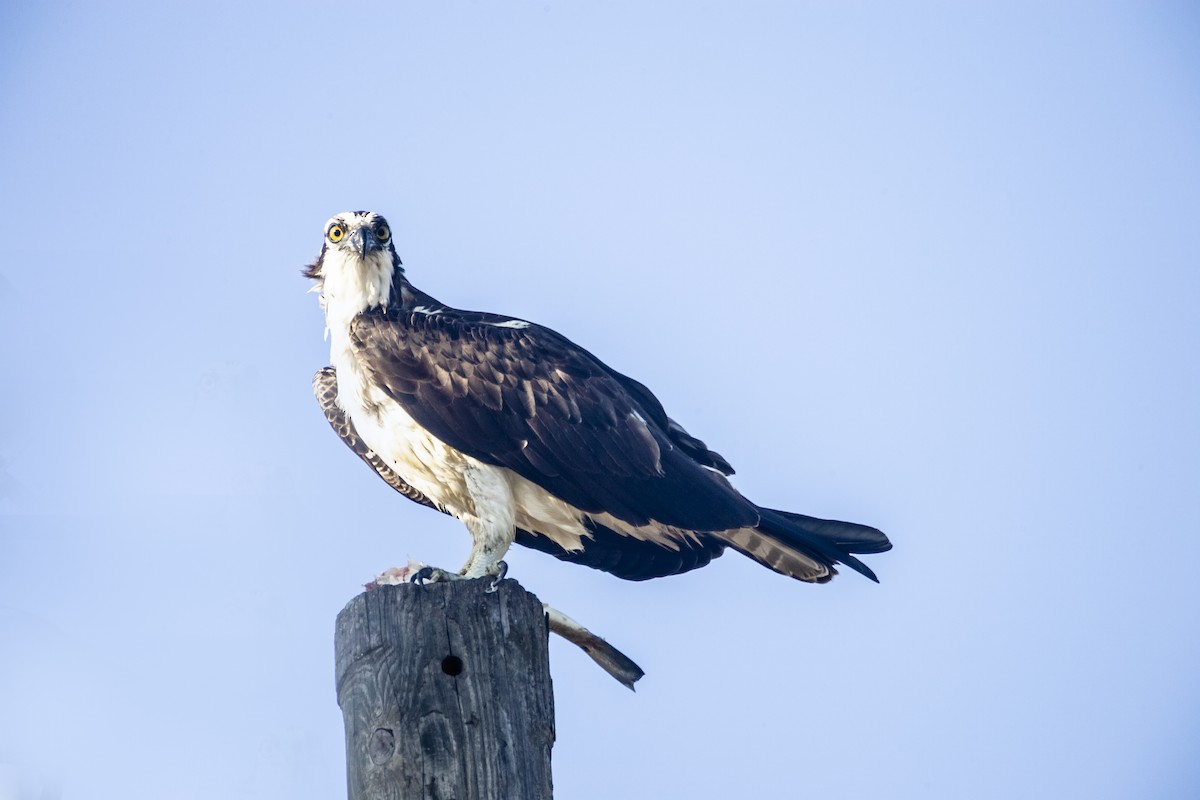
445 691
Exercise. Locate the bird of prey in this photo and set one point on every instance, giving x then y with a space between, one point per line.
525 436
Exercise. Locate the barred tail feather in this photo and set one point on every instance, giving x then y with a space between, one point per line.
807 548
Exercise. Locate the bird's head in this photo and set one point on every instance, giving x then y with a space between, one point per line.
357 263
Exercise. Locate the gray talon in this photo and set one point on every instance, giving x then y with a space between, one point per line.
501 571
421 576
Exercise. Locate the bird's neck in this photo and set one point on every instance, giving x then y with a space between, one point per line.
351 286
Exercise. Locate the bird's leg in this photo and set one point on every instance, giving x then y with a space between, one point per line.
490 516
493 524
486 559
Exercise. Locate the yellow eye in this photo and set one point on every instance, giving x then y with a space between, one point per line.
382 233
336 232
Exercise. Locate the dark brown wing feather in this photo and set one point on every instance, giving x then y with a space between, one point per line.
528 399
622 556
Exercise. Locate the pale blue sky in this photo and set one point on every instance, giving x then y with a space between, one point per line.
933 267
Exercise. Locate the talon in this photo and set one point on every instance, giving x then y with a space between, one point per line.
501 570
421 576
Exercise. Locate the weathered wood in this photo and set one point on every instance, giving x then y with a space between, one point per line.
445 691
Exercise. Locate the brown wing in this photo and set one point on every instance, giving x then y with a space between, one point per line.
604 549
524 397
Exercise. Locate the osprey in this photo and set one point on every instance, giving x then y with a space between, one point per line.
527 437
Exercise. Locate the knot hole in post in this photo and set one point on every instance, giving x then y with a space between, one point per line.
452 665
382 746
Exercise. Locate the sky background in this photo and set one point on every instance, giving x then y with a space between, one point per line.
928 266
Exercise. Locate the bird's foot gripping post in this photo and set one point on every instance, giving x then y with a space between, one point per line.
428 574
445 692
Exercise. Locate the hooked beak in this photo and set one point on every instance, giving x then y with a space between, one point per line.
364 241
